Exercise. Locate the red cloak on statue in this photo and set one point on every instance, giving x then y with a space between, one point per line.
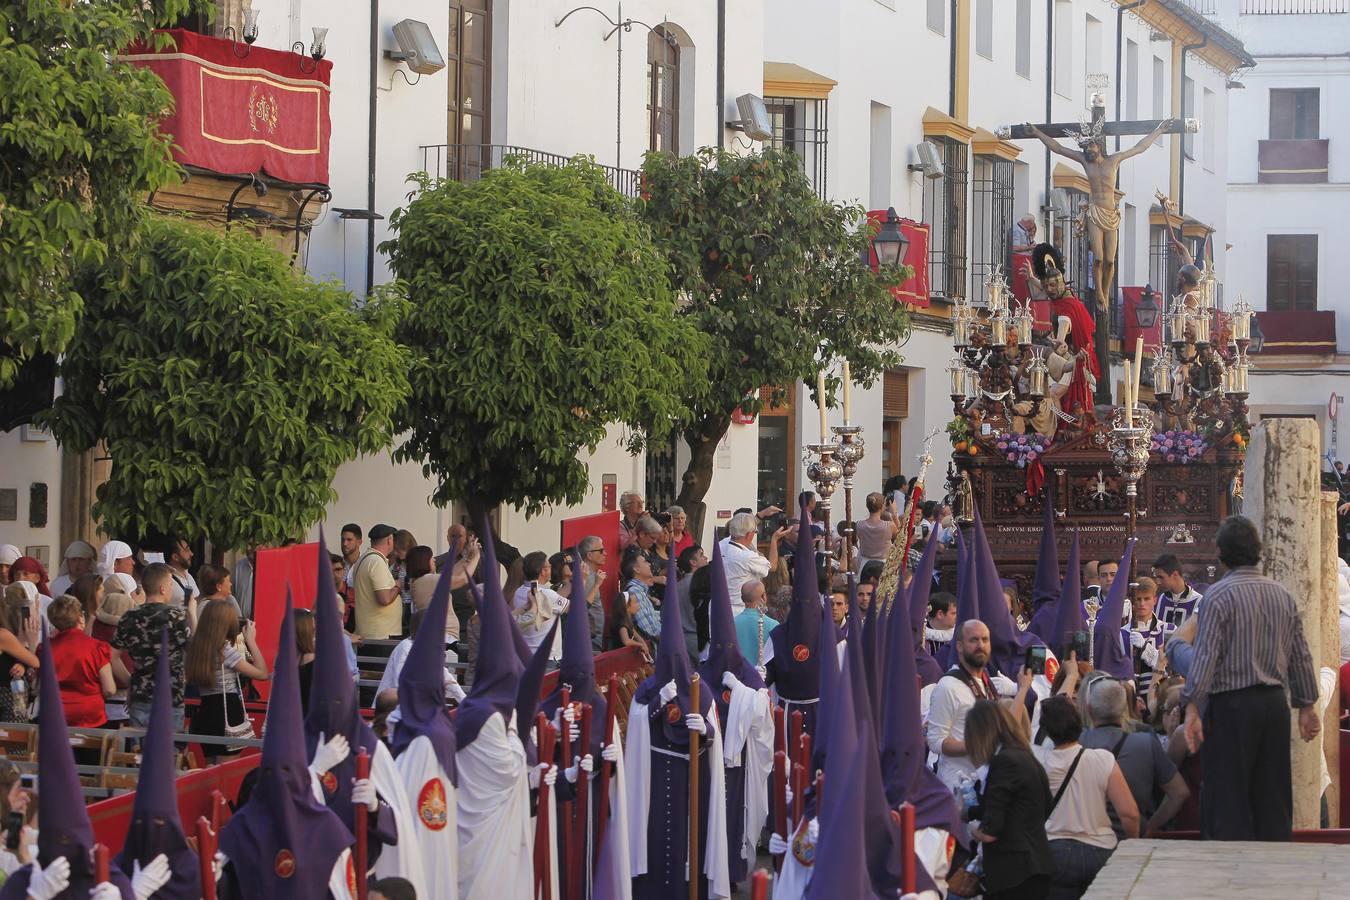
1081 329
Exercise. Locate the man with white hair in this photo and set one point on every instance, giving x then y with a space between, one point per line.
79 560
631 510
742 559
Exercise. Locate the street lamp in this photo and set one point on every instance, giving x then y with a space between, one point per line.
890 243
1258 336
1146 310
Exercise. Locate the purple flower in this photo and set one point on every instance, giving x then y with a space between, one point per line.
1171 457
1003 445
1194 451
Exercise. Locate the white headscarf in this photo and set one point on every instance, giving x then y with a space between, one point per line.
29 589
109 555
9 554
77 550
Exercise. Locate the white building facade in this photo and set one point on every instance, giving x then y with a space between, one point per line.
1288 190
853 86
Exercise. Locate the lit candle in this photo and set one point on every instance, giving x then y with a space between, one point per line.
1138 368
820 393
846 392
998 333
1125 391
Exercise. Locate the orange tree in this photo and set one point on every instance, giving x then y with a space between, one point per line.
773 275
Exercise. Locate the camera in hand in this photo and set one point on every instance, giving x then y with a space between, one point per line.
1035 661
1080 646
13 830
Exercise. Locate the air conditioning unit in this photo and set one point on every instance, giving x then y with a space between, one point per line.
754 118
929 160
1060 203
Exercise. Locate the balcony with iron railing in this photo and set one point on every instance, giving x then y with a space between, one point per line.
469 162
1294 7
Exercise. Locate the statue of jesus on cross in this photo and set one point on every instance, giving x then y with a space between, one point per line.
1103 210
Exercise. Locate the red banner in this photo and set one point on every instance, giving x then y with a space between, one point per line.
276 569
915 290
605 526
1152 336
261 113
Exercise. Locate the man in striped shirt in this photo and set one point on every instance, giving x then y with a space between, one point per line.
1250 646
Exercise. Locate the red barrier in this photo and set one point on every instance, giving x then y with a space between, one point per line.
605 526
112 817
624 661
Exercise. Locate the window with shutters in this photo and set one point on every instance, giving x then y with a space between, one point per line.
468 63
894 410
1294 114
1291 271
663 91
778 458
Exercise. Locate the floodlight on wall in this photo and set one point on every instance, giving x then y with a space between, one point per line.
416 47
929 160
1060 203
754 119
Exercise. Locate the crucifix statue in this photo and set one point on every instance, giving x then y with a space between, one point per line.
1102 215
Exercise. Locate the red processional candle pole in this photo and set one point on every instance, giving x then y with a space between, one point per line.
543 884
206 855
694 779
575 861
565 812
908 875
362 821
102 864
759 885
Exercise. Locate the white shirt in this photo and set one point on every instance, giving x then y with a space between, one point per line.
397 658
176 597
1081 814
534 624
742 564
947 709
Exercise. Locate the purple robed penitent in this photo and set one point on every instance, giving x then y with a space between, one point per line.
917 596
577 670
421 683
155 824
794 670
1069 608
497 671
1008 645
967 599
333 710
63 824
283 842
1109 652
724 655
668 816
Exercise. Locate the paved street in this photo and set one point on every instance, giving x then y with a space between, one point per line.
1166 870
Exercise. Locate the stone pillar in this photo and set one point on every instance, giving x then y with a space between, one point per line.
1331 653
1283 495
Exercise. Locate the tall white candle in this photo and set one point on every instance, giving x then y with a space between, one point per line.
847 398
820 393
1125 399
1138 369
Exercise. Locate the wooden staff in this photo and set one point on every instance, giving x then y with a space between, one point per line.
206 855
565 814
780 798
543 738
693 793
759 885
606 767
102 864
362 822
908 876
576 877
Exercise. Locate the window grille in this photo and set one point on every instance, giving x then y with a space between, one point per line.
992 210
944 209
801 125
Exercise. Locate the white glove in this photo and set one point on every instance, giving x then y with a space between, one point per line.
1136 639
730 681
777 846
104 891
763 672
587 764
813 830
145 882
363 794
570 773
787 800
44 884
1149 655
610 753
668 691
551 776
568 714
694 722
536 773
1005 686
329 753
218 865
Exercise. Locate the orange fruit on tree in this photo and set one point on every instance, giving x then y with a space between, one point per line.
960 445
974 450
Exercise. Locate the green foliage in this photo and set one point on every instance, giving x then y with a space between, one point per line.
226 387
80 149
539 315
773 275
958 430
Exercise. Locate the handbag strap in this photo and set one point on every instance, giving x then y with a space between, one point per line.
224 694
1063 785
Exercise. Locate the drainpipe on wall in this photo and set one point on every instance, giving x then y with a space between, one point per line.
951 65
1049 102
721 73
1181 173
371 143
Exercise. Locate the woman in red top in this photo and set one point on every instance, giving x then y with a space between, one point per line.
83 665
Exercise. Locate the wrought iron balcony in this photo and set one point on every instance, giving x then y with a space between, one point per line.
468 162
